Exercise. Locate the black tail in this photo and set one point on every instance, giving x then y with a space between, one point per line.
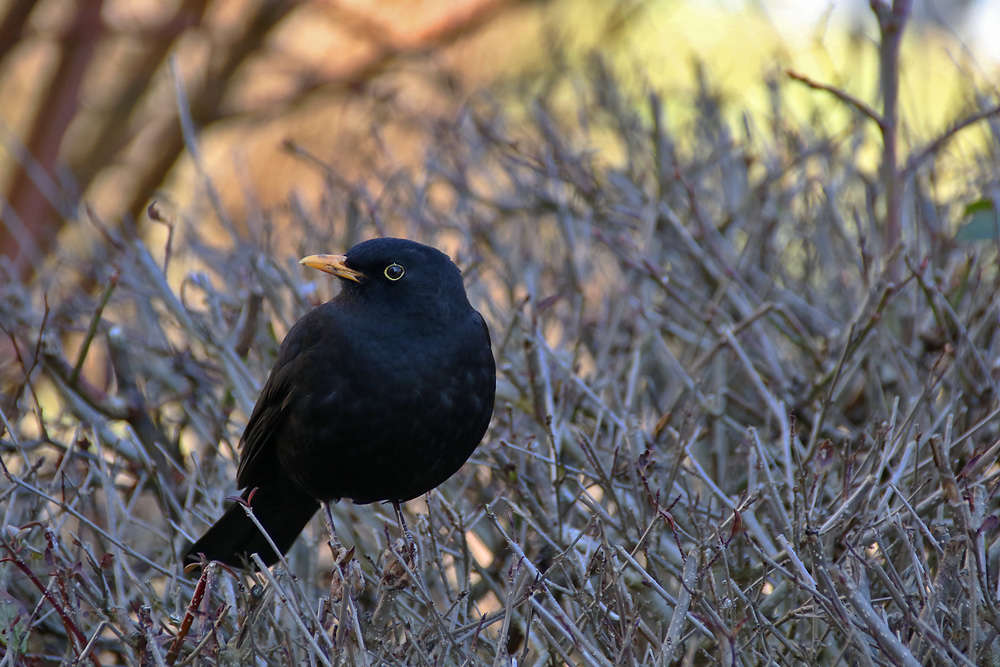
283 513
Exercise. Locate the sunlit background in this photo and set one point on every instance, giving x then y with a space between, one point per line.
89 102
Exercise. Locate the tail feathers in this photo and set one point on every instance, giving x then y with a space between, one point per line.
234 537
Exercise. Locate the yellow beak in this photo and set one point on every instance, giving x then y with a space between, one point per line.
334 264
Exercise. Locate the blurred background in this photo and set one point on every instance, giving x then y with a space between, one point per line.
89 90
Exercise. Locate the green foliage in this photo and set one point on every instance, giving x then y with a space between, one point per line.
981 222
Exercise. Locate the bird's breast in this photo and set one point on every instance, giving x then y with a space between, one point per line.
393 416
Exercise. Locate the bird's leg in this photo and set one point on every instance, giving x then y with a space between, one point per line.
335 546
346 583
342 558
411 546
346 571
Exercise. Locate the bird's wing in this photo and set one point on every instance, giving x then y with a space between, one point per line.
270 413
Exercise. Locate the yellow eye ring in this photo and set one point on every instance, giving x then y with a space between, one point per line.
394 272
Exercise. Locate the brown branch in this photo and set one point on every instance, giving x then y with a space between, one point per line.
891 23
204 102
113 131
840 94
28 197
71 627
917 159
13 24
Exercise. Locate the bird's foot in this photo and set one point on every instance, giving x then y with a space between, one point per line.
399 562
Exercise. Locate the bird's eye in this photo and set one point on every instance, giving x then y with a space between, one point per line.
394 272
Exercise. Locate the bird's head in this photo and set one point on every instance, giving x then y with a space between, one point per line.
396 275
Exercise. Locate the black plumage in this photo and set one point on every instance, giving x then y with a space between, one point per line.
380 394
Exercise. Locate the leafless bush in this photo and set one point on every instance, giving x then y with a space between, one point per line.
737 421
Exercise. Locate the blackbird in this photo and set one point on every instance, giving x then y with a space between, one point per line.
380 394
